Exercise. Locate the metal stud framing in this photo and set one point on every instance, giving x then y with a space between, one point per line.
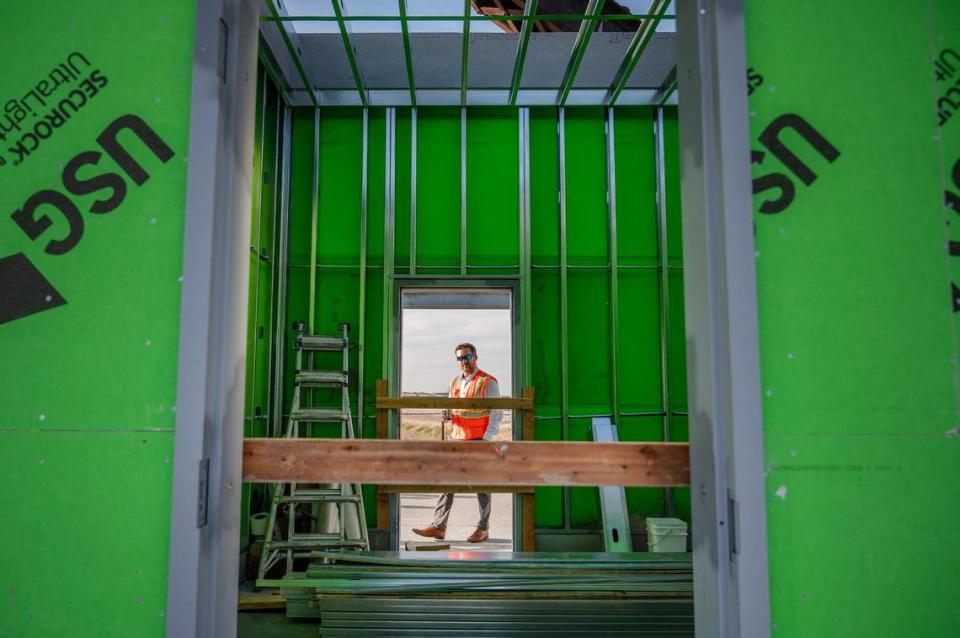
614 274
255 239
669 86
641 39
388 235
314 212
407 54
413 191
564 379
664 289
362 328
282 265
526 285
465 57
463 191
290 49
351 56
551 17
529 9
462 96
587 27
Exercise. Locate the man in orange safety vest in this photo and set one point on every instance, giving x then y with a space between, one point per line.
469 425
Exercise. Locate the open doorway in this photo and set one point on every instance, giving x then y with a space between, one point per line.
322 264
433 321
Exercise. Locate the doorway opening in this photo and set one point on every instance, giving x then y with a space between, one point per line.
433 321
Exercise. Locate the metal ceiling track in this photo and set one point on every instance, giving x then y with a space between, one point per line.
463 94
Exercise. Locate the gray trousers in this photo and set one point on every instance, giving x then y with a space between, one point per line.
445 503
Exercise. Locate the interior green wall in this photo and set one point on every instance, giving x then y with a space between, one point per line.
264 271
858 334
89 385
493 245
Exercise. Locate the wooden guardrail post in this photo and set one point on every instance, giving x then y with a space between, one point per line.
383 427
527 509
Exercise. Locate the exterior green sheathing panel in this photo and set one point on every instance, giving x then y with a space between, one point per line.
134 318
89 358
857 332
87 523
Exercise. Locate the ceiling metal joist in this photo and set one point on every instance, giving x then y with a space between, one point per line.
587 27
407 54
641 39
351 56
293 54
595 90
529 9
552 17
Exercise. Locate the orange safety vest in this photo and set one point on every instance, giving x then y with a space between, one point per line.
472 423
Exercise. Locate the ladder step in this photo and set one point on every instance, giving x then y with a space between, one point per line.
310 378
318 415
320 343
319 498
317 491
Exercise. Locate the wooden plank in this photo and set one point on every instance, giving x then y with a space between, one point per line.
383 417
426 546
449 403
528 514
528 431
383 423
527 510
250 601
451 462
455 489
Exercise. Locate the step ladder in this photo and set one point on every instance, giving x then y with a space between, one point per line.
351 532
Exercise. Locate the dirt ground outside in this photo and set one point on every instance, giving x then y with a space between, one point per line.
424 425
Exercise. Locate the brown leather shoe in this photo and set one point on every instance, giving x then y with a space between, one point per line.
478 536
431 532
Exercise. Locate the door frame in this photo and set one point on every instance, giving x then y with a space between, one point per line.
731 583
511 283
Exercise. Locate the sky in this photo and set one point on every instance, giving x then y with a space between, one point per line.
429 337
414 8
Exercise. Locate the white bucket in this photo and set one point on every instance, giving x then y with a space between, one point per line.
666 535
258 524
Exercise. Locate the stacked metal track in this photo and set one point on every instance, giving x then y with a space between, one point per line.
495 594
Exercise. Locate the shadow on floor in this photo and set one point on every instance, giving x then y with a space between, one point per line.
273 624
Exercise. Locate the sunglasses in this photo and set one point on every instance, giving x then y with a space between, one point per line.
467 357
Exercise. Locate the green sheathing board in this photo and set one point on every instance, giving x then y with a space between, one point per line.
87 518
438 190
857 330
493 249
91 253
493 191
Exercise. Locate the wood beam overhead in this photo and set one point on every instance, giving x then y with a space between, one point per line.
478 463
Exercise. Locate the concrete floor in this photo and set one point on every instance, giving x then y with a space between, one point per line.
416 510
274 624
